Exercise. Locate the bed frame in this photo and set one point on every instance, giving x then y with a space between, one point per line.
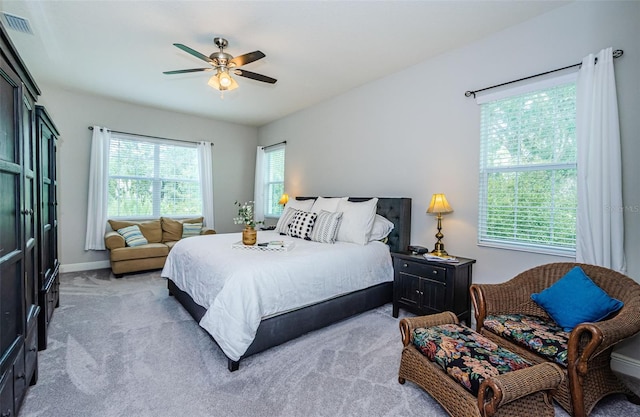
284 327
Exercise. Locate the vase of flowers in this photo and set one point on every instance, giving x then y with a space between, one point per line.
245 216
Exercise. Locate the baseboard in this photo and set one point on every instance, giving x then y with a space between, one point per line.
625 365
84 266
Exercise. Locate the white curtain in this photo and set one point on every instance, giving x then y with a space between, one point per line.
98 189
258 193
600 231
205 167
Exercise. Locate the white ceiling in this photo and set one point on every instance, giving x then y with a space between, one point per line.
316 49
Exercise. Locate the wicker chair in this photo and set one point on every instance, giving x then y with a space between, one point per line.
589 375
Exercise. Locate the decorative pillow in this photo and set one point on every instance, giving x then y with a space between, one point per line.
575 299
327 204
302 224
284 221
304 205
133 236
172 229
326 227
357 221
381 228
151 230
191 229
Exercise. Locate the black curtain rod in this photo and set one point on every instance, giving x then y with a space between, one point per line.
275 144
616 54
148 136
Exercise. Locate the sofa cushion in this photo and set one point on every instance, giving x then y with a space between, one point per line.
468 357
172 229
575 299
151 230
150 250
541 336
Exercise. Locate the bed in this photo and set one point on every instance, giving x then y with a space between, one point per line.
270 326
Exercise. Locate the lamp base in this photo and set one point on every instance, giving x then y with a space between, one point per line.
441 253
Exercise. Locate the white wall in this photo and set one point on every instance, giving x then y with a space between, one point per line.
233 157
414 133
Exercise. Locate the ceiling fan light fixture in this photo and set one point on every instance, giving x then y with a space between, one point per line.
222 81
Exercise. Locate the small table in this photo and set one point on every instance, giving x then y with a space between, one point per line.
426 287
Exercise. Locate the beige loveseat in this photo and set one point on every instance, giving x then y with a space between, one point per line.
161 235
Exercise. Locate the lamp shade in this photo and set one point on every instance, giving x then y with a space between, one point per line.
284 199
439 204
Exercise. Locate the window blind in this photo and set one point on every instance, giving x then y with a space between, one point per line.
528 195
149 178
274 180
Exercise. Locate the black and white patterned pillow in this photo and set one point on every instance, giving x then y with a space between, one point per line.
326 227
284 221
302 224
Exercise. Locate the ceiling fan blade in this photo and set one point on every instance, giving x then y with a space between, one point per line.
247 58
193 52
254 76
187 70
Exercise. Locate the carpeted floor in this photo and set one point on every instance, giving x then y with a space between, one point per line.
125 348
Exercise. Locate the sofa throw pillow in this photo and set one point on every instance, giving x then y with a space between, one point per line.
302 224
133 236
172 229
151 230
576 299
191 229
284 221
326 227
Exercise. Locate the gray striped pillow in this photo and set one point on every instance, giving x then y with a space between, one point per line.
282 226
326 228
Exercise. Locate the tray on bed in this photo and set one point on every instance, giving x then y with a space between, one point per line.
284 247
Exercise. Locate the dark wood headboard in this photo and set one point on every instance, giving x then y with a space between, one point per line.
398 211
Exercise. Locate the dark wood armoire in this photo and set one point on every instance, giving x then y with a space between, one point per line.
28 228
48 265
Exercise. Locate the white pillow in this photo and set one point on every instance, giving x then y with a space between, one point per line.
381 228
304 205
327 204
357 220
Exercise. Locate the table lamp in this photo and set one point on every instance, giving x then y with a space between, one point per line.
439 205
284 199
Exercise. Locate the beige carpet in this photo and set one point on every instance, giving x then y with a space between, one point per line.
123 347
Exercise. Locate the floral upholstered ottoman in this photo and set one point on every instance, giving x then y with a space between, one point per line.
469 375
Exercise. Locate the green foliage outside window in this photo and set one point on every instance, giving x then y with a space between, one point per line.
528 195
149 179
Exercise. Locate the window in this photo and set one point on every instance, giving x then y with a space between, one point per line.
528 195
273 185
150 178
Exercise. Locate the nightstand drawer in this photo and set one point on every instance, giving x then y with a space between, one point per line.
420 270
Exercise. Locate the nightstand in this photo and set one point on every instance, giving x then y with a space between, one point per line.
427 287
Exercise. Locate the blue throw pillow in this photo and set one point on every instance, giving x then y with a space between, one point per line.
575 299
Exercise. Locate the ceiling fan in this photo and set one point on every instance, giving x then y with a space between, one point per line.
224 65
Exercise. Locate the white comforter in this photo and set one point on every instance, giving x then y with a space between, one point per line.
239 288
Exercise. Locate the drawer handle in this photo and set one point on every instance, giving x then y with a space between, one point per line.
20 375
33 349
405 265
434 272
6 413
